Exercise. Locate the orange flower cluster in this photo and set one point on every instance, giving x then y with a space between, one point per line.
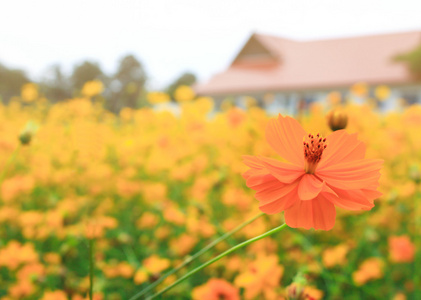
153 185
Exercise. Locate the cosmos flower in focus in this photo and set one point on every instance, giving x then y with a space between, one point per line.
320 173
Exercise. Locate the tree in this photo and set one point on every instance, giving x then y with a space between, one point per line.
11 81
413 61
56 86
84 72
127 83
186 78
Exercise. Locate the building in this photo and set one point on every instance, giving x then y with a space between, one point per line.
284 74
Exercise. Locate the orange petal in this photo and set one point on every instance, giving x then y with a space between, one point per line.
341 147
252 162
274 196
310 186
285 135
354 175
318 213
350 199
274 190
372 193
284 172
287 197
254 178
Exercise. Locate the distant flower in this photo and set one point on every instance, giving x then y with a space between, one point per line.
92 88
216 289
184 93
151 268
370 269
157 97
321 173
56 295
261 276
401 249
335 255
382 92
334 98
360 89
29 92
155 264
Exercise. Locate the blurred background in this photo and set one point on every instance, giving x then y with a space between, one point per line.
293 49
124 122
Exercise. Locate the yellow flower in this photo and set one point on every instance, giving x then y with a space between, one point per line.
335 255
155 264
261 276
370 269
29 92
92 88
184 93
360 89
126 114
334 98
157 97
382 92
56 295
140 276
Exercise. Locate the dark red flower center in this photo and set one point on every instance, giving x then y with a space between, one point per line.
313 150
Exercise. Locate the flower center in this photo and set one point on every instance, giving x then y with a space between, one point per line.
313 150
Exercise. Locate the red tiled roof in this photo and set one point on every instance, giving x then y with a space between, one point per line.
318 64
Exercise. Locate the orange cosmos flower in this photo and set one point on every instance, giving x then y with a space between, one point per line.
321 173
401 249
216 289
261 277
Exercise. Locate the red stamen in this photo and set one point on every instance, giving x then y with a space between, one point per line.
313 154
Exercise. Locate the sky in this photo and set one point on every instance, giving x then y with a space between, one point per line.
170 37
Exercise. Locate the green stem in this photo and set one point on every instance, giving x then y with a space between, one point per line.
417 242
9 162
196 255
91 268
229 251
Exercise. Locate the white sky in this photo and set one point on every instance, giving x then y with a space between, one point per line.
172 36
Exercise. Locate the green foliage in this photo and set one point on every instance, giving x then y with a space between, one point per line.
185 79
56 85
413 61
127 84
84 72
11 81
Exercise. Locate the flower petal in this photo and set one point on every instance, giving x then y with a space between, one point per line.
350 199
286 197
309 187
274 190
353 175
285 135
318 213
284 172
274 196
342 147
252 162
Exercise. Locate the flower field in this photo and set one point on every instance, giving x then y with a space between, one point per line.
149 188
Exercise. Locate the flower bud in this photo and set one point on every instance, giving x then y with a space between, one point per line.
124 238
415 173
154 277
25 138
28 132
337 119
295 291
